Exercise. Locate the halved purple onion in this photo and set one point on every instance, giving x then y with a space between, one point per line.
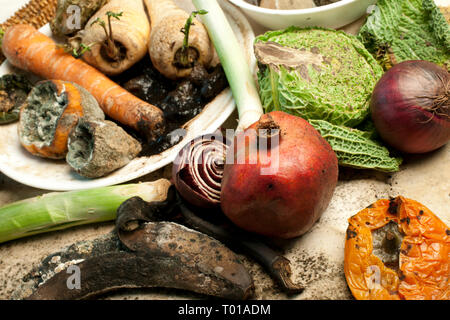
198 170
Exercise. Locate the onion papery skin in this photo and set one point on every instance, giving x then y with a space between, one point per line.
399 107
198 170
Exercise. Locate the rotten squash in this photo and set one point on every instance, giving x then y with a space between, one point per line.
397 249
49 113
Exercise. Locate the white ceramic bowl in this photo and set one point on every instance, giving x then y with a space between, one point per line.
333 15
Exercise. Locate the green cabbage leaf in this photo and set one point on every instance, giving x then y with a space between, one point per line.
399 30
316 73
357 149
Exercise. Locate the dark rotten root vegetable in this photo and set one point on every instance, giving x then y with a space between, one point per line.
113 271
14 90
410 106
144 255
97 148
286 201
49 113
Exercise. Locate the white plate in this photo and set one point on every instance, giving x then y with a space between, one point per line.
18 164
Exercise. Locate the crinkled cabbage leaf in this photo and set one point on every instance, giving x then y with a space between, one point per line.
316 73
399 30
356 148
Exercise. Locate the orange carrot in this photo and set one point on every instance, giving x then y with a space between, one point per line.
28 49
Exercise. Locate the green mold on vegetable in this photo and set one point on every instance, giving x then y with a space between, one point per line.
96 148
357 149
50 111
14 89
400 30
316 73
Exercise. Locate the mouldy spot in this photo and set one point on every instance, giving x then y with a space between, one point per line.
44 107
97 148
321 277
275 55
387 241
407 219
394 205
351 233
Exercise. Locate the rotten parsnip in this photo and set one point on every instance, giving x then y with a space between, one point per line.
117 36
174 53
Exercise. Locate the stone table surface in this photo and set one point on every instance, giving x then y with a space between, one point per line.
317 257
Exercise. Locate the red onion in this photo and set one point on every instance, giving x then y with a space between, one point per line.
198 169
410 106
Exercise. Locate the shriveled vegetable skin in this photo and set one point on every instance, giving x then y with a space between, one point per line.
316 74
72 15
131 33
97 148
419 240
14 89
51 110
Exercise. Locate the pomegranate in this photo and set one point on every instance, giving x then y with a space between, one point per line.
288 201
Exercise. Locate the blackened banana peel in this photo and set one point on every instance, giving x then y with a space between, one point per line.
174 208
147 251
143 254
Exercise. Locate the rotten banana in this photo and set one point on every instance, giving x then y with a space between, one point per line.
143 254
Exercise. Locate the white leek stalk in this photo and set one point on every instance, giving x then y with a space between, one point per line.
233 61
61 210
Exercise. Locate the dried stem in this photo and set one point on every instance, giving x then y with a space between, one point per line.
441 101
186 58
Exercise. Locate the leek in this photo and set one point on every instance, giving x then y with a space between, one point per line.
61 210
231 55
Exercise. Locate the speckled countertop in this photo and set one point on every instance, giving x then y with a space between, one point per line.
317 257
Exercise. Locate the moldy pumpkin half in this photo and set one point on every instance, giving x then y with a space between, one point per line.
49 113
397 249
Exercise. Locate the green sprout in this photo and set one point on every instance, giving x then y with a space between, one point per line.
83 48
185 60
76 51
111 48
